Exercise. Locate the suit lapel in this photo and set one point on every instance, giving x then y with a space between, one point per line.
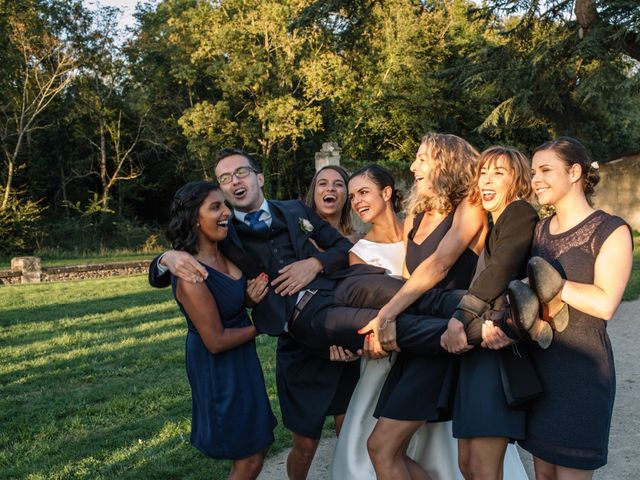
295 234
232 235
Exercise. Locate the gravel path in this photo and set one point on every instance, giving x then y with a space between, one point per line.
624 444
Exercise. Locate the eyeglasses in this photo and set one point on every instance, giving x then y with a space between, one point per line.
240 172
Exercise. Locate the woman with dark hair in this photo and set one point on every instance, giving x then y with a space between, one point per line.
376 201
327 195
582 263
231 415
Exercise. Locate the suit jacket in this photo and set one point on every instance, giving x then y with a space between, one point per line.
271 314
506 252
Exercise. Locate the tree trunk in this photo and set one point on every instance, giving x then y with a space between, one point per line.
104 200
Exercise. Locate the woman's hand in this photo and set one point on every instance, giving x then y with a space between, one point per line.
371 346
493 337
257 289
454 340
339 354
387 331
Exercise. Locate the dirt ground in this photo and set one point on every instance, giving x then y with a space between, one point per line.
624 443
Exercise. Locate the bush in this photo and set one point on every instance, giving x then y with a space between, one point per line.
98 234
19 225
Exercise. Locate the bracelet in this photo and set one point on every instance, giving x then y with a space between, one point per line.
385 324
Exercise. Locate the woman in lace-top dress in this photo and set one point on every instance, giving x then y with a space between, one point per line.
568 427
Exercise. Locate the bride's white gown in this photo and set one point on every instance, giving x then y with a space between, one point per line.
433 445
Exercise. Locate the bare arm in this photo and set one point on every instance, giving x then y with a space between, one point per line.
203 312
611 274
469 222
467 230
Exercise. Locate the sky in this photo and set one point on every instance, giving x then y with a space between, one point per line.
128 7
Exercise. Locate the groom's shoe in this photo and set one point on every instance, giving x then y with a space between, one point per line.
547 283
524 311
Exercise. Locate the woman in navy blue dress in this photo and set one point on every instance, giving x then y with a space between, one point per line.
231 415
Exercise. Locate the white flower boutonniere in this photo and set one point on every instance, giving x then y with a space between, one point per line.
305 225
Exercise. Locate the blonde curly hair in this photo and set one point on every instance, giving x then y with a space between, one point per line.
452 176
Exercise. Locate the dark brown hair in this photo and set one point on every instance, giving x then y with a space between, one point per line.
572 152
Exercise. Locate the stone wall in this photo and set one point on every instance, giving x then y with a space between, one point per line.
75 272
619 189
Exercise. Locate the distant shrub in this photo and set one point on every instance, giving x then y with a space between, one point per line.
19 225
107 232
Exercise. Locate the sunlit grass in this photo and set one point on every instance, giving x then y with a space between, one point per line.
93 383
633 288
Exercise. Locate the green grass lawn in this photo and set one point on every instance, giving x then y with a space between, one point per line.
633 288
93 384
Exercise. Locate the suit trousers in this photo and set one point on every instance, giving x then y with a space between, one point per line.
334 317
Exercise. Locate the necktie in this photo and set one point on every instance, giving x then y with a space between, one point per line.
255 223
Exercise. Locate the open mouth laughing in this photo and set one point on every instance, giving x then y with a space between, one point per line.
329 199
488 195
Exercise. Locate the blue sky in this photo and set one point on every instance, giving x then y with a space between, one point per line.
127 7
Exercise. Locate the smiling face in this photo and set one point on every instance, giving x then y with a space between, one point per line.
244 194
329 193
422 169
213 217
496 182
552 180
368 201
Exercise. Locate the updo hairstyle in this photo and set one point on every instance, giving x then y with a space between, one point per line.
572 152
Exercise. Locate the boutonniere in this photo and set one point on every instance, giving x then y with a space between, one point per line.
305 225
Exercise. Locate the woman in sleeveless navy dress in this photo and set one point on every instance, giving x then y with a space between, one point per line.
231 414
568 427
447 233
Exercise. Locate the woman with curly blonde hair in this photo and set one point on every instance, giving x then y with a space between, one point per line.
444 233
450 176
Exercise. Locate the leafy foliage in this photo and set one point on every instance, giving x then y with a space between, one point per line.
144 113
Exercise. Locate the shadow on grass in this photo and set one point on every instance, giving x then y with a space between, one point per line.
63 310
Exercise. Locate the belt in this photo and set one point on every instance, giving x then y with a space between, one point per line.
306 297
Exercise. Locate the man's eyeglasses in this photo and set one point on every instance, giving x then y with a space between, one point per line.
240 172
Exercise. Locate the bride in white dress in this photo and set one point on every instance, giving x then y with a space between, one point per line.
373 198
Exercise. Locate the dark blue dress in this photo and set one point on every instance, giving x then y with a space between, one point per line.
231 416
481 408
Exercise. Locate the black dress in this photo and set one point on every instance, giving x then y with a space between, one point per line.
422 387
231 417
481 409
569 425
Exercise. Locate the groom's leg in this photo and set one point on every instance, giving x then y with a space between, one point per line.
375 291
369 290
321 324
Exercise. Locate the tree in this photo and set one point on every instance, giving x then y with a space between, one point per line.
42 71
106 115
544 76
